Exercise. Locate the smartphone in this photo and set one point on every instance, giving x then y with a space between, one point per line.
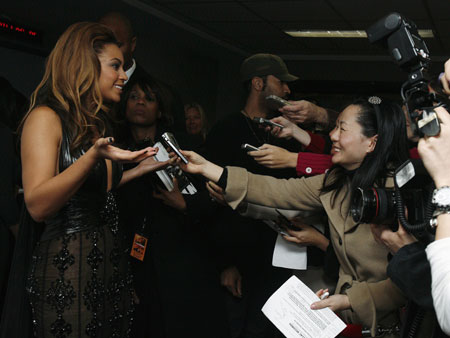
266 122
285 221
171 142
249 147
276 102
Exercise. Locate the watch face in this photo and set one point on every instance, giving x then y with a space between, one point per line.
442 197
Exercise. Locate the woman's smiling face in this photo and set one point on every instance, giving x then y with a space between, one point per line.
112 76
350 145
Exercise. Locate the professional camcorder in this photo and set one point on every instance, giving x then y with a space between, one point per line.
413 186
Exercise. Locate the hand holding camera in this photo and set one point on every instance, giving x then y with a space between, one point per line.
435 151
393 240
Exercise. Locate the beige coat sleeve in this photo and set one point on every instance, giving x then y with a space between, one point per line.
373 301
294 193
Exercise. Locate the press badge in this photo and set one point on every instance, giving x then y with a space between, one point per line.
139 244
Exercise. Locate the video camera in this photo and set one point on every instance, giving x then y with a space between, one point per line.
413 186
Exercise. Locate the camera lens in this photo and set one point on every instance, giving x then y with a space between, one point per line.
373 205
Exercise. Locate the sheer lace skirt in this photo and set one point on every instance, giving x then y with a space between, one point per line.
80 285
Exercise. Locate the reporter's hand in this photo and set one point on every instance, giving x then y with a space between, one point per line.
274 157
306 235
335 303
435 151
216 193
285 132
304 112
199 165
173 199
445 80
104 149
392 240
232 280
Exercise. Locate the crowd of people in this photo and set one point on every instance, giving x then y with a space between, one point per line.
102 248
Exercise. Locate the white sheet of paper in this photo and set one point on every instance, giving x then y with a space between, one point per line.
289 255
289 310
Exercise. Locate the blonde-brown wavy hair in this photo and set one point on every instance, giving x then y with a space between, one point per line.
70 84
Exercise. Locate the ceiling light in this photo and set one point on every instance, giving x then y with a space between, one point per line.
424 33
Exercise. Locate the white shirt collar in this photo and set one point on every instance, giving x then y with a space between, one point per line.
130 71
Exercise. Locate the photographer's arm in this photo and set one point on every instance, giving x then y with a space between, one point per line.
435 153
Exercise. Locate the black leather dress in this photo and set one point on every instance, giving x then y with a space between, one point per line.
79 284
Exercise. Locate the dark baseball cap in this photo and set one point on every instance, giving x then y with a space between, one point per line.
263 65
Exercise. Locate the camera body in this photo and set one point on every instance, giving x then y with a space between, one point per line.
413 186
413 189
400 36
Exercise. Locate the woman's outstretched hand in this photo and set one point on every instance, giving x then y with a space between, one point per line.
199 165
196 162
105 150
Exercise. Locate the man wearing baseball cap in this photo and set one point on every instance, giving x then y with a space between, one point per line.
264 75
264 65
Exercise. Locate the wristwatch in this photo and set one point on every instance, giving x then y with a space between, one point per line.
441 198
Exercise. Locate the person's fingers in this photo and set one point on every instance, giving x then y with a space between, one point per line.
215 187
231 287
445 84
175 183
319 292
443 115
239 287
275 131
387 235
214 194
321 304
291 239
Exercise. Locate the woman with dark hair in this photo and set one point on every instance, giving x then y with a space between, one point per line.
369 142
79 283
175 241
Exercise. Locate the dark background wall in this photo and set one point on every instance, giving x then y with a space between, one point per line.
200 66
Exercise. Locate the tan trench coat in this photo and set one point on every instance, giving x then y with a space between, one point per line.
374 299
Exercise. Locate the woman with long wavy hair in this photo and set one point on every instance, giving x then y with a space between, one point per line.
79 283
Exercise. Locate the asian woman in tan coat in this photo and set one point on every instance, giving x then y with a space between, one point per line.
369 141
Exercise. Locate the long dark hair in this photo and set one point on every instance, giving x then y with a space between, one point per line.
386 120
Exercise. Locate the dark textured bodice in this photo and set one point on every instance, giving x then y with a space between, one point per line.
81 212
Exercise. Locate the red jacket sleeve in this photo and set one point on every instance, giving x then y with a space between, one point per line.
317 144
310 164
